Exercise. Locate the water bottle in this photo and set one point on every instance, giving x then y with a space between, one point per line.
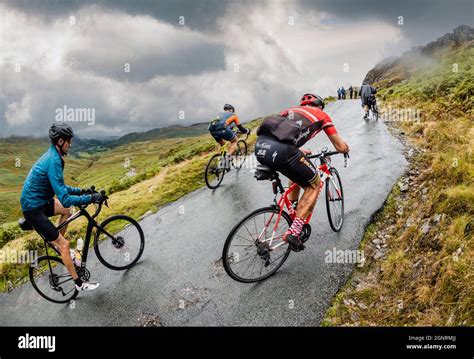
78 252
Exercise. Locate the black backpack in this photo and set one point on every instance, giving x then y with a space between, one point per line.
282 128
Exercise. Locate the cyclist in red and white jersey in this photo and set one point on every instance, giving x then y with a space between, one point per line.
278 147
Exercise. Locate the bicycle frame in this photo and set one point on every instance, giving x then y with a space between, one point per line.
226 145
284 202
90 226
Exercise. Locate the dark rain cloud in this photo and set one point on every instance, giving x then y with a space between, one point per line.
198 14
423 20
190 69
191 60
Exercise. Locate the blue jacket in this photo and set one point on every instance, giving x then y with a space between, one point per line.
46 180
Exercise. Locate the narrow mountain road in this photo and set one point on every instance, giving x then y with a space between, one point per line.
180 279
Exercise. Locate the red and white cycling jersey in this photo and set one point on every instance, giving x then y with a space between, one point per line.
297 125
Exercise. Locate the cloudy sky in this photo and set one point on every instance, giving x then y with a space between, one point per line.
186 58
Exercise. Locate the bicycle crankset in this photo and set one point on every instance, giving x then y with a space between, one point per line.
305 232
83 273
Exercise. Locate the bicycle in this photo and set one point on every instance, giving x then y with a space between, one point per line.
217 166
374 110
48 273
258 238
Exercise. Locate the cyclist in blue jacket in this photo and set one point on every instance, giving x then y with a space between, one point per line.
44 181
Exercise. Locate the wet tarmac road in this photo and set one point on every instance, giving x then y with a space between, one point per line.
180 279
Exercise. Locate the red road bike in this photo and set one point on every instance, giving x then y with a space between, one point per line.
254 248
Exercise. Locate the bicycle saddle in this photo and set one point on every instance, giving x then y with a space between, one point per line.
24 225
265 173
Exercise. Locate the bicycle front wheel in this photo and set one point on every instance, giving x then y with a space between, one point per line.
119 242
254 249
215 171
240 154
52 280
335 200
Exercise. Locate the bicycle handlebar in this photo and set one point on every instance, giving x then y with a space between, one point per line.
246 134
324 154
104 199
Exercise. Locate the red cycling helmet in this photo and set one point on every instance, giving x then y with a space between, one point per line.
312 100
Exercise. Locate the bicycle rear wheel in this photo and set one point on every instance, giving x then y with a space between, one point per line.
215 171
125 248
246 256
375 111
335 200
51 279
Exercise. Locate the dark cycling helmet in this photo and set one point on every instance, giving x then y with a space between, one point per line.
61 130
312 100
229 107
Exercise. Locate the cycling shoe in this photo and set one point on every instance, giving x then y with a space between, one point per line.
294 241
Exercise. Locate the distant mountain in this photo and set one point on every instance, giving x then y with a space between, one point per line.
174 131
97 145
90 145
103 144
396 69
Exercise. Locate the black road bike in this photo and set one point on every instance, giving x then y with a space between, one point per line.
118 243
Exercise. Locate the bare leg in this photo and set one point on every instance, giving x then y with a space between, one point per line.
63 246
65 214
308 200
233 146
295 194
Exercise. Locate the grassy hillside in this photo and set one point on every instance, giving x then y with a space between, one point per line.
419 251
17 155
164 171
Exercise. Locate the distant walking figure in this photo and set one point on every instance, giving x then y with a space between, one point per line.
339 93
351 91
343 93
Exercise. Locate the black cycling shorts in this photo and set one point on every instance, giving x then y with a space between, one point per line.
38 218
286 159
225 134
369 103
